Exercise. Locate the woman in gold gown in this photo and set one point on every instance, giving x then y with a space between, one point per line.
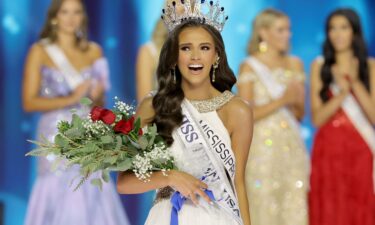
277 168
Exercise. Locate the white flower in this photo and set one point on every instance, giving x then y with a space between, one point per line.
124 108
142 165
142 168
95 128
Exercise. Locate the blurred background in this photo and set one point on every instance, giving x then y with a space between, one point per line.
121 27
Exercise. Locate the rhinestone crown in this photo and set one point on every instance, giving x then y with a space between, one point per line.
206 12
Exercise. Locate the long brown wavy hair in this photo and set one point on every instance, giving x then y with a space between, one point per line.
168 99
358 46
49 30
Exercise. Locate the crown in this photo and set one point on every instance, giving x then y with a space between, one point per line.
207 12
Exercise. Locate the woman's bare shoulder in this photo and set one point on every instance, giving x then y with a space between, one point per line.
146 110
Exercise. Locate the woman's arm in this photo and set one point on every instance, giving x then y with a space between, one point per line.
145 72
240 126
321 112
31 86
97 91
186 184
299 108
366 98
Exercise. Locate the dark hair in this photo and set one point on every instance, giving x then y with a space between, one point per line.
49 30
168 99
358 47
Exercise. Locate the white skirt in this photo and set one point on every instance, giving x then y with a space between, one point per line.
160 214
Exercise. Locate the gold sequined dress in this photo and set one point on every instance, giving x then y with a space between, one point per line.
277 169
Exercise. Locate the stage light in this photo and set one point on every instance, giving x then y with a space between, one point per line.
10 24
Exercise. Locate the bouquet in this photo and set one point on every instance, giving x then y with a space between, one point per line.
107 140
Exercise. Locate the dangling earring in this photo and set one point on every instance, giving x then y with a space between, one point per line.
215 66
263 47
79 33
53 23
173 72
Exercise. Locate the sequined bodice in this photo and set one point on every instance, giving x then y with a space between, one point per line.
282 76
53 83
214 104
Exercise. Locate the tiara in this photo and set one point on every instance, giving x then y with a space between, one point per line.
206 12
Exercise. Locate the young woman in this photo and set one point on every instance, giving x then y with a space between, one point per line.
61 68
207 128
147 61
272 80
343 109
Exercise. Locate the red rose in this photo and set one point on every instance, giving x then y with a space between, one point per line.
140 132
96 113
124 126
107 116
131 120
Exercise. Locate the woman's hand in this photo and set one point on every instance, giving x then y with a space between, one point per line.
340 79
188 186
81 91
294 93
96 91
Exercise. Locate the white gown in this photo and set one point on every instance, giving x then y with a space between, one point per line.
203 214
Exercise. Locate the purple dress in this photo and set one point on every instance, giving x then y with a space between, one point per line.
53 201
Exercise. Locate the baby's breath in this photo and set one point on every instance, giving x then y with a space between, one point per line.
124 108
143 164
95 128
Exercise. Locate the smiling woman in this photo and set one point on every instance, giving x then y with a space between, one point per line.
199 118
198 56
60 69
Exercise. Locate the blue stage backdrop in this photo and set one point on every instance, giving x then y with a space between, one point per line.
121 27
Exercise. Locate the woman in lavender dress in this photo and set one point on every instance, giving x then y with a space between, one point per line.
60 69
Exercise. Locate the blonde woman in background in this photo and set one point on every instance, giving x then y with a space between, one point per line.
148 57
277 168
147 61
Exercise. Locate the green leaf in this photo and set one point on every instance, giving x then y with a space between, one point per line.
111 160
107 139
63 126
105 175
132 150
76 121
97 182
80 183
86 101
61 141
118 143
73 133
90 147
137 125
125 139
158 139
143 142
123 166
38 152
135 144
152 132
160 161
95 166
